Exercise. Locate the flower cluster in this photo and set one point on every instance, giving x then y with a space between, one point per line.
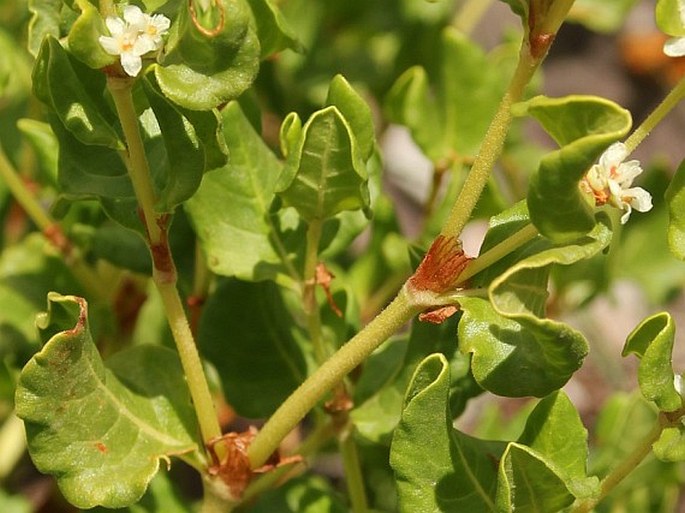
134 36
609 182
675 47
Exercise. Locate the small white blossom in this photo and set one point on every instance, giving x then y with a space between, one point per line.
134 36
609 181
675 47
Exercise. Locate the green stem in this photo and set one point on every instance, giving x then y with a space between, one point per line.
349 356
499 251
492 145
469 14
213 500
625 467
310 304
72 257
353 474
22 195
672 99
164 278
12 444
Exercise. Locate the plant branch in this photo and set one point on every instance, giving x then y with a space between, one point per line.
625 467
469 14
499 251
309 302
491 147
352 467
659 113
164 271
349 356
52 231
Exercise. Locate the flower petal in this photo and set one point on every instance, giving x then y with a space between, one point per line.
675 47
626 216
613 155
131 63
627 172
638 198
116 26
110 45
135 17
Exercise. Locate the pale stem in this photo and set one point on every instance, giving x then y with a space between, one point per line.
349 356
667 104
469 14
491 147
625 467
353 475
12 444
72 257
499 251
310 304
139 173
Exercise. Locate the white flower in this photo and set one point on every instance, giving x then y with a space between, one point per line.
675 47
609 181
134 36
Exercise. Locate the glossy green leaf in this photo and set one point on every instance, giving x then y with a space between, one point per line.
652 342
675 197
527 483
289 133
325 174
275 34
515 351
555 432
601 15
60 82
240 321
303 494
200 72
436 467
669 18
83 37
45 20
101 429
231 210
185 156
355 110
453 114
584 126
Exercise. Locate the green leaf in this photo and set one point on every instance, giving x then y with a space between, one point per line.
325 174
436 467
584 126
231 209
605 16
14 503
652 342
275 34
671 444
453 114
242 320
515 351
101 430
675 197
555 432
355 110
45 20
527 484
668 17
83 37
66 86
304 494
184 153
381 388
201 72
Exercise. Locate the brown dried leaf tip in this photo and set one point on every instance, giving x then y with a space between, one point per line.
440 269
235 470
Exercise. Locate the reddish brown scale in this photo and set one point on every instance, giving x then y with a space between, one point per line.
235 469
324 278
440 269
101 447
